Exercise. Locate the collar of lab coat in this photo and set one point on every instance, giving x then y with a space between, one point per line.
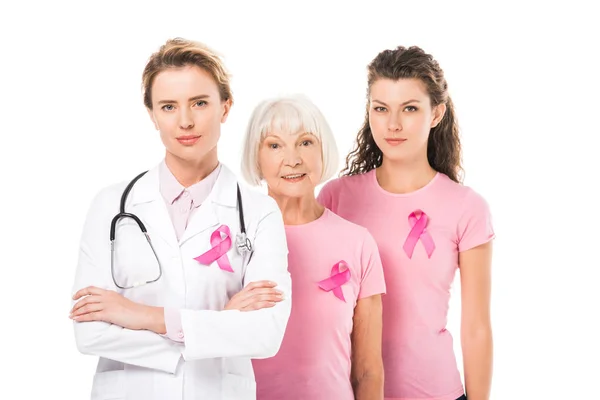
146 194
224 191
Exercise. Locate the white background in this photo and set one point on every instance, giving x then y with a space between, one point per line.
524 80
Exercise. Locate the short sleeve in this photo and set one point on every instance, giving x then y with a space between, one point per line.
475 225
372 281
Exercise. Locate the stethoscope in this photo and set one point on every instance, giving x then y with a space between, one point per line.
242 241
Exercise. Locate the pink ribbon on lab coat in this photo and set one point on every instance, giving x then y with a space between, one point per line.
336 280
418 221
220 247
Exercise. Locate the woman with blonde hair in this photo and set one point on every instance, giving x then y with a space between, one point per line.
193 282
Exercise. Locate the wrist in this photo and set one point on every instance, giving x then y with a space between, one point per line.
156 320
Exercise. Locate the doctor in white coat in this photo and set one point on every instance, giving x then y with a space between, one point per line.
204 308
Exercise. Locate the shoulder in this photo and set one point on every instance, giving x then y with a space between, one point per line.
464 194
253 200
257 203
110 192
469 204
347 183
108 197
349 231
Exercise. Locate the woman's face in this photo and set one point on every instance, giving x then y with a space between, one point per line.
188 112
291 164
401 117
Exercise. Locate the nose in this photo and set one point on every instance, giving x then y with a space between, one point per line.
185 119
394 123
292 157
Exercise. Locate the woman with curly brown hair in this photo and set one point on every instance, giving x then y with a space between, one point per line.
403 183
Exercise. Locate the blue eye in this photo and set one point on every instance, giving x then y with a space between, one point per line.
167 107
201 103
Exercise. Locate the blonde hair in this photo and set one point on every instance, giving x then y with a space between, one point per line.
288 114
177 53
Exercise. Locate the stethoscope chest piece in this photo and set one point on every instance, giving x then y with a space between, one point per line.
243 244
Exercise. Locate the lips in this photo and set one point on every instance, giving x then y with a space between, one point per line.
188 140
395 141
293 177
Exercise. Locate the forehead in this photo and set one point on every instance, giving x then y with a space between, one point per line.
401 90
185 82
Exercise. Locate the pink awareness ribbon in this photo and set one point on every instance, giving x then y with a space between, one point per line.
219 249
418 221
336 280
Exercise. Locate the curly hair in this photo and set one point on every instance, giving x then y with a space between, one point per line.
443 145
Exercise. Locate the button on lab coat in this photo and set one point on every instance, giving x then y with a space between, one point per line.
214 362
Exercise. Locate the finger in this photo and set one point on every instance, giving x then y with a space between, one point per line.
268 294
260 284
270 291
86 300
247 294
260 298
258 306
88 308
93 316
267 297
87 291
240 298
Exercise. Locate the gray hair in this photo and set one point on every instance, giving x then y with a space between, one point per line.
288 114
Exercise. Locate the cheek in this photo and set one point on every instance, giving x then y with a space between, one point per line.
314 162
378 125
419 124
167 124
213 118
269 162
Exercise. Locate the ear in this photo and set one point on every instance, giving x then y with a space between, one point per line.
226 107
152 117
438 114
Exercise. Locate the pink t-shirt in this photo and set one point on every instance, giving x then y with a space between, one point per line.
418 353
314 359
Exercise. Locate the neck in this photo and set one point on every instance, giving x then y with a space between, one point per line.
298 210
189 172
404 176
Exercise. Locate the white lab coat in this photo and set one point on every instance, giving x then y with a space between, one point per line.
214 362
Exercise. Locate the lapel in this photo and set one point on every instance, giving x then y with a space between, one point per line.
147 202
223 194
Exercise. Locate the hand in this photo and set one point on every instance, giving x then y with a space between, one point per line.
109 306
256 295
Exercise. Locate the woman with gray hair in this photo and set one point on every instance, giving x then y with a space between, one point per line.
332 345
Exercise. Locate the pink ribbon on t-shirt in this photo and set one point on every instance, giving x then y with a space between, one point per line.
418 221
336 280
220 247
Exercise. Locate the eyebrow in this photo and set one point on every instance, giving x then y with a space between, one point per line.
403 104
300 135
199 97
